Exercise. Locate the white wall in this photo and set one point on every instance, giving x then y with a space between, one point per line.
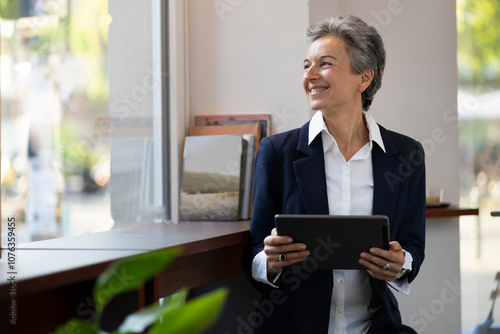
321 9
246 58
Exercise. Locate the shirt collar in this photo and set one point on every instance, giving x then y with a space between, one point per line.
317 125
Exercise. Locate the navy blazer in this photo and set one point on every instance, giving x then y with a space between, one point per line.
290 178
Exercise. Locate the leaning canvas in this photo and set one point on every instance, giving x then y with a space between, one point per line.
211 178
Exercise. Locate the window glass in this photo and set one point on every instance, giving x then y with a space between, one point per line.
80 153
479 136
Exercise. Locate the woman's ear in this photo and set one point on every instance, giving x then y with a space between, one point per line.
366 80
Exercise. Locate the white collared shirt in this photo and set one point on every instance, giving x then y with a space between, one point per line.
350 192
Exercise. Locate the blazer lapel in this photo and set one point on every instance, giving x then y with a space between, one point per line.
309 169
386 177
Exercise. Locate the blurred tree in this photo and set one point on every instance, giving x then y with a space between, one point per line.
88 38
10 9
478 28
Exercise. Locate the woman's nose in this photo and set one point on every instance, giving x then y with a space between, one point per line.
311 73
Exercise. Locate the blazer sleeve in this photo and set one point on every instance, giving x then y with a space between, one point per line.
266 203
411 234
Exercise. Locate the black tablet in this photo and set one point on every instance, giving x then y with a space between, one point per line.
335 242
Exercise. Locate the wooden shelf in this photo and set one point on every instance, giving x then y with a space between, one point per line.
450 211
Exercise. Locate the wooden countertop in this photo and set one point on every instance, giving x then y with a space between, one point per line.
76 258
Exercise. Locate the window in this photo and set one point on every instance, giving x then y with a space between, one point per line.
84 115
479 136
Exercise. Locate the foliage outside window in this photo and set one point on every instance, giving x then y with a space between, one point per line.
479 143
54 96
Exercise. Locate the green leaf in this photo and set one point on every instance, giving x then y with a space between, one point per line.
77 326
139 321
128 274
176 300
197 315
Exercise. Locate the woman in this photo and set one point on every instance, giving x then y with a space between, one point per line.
340 163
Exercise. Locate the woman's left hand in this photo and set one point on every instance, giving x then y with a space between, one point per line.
384 264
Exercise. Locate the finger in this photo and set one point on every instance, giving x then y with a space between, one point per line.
274 250
388 255
377 272
277 240
376 260
395 246
290 258
377 264
381 277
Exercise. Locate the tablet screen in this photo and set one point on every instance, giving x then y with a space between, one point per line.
335 242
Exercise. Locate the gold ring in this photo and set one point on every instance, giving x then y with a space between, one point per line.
282 257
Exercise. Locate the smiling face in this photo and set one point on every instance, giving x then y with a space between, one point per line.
328 81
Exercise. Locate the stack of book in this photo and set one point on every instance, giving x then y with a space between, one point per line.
218 167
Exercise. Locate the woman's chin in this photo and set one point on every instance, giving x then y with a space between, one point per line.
315 106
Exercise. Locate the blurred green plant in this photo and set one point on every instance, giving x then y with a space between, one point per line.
78 154
478 30
88 39
10 8
174 316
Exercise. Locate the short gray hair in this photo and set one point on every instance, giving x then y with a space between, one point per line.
365 48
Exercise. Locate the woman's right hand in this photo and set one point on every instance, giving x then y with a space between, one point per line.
282 252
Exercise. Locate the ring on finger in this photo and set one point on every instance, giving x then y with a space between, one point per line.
282 257
386 266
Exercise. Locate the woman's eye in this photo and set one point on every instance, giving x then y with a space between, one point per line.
325 64
306 67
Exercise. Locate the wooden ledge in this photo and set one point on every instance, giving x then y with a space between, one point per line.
450 211
59 274
50 263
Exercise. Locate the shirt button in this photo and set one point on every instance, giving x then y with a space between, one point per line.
339 311
340 280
